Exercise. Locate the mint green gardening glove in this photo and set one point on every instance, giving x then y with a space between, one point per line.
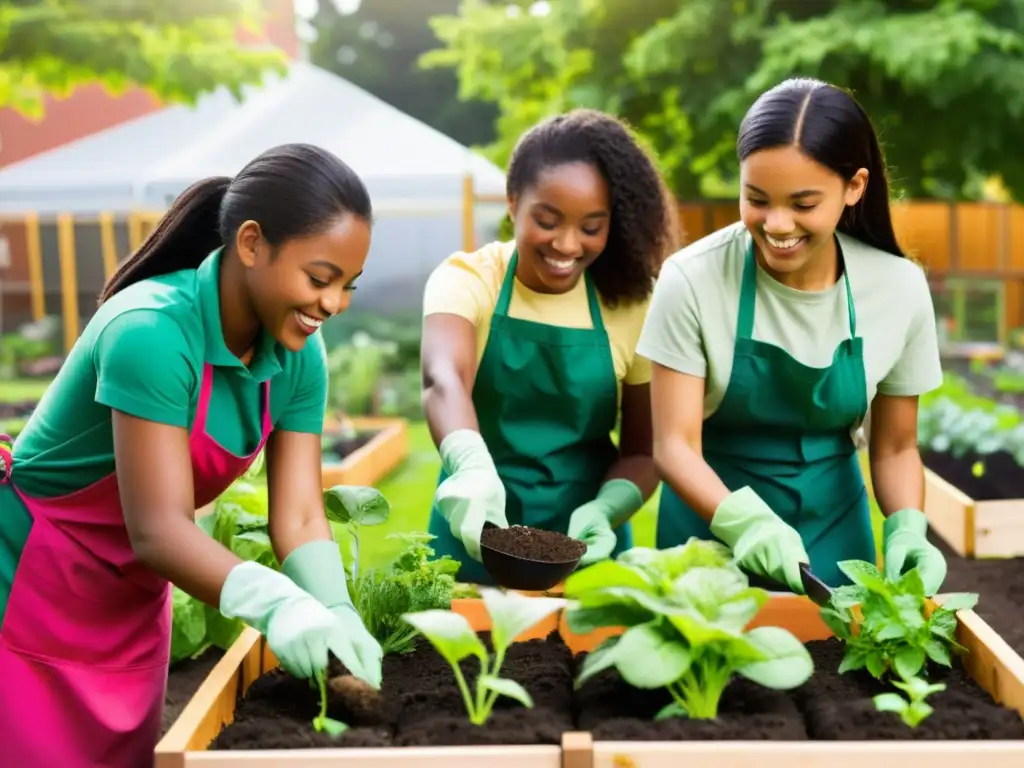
472 494
300 630
317 567
594 523
905 545
760 541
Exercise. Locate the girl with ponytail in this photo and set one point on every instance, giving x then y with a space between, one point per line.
204 351
772 339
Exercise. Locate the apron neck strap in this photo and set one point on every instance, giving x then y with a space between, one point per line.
505 297
748 295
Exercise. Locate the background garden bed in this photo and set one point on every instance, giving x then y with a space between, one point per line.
378 446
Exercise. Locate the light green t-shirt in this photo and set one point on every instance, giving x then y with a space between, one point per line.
691 323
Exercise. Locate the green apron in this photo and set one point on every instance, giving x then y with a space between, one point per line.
783 428
546 400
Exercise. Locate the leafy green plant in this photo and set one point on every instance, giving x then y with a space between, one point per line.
450 633
685 611
913 709
883 623
353 506
414 582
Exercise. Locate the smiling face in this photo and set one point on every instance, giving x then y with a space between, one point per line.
561 226
307 280
791 206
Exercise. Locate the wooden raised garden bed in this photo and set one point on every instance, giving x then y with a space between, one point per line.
380 445
992 528
830 721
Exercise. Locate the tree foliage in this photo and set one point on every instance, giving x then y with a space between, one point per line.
179 49
942 79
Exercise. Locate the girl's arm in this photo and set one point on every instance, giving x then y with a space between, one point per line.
897 473
154 474
295 491
448 361
636 442
678 409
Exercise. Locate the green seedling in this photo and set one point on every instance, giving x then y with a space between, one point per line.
685 611
913 709
892 634
450 633
354 506
322 723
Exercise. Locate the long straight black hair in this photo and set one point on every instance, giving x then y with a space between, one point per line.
827 124
293 190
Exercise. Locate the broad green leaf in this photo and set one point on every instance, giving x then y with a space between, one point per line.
876 663
890 702
865 575
891 629
854 658
848 596
937 652
911 611
356 504
908 662
943 624
910 583
918 688
513 613
605 574
721 595
959 601
837 621
188 626
505 687
699 631
672 709
330 726
695 553
647 658
788 662
449 633
584 620
598 660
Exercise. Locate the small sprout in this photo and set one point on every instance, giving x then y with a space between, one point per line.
914 708
322 723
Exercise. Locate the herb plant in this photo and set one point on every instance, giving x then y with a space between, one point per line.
685 611
913 709
450 633
883 624
413 583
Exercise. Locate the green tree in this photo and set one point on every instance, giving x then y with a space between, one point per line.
942 79
179 49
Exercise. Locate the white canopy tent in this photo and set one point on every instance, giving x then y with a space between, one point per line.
415 174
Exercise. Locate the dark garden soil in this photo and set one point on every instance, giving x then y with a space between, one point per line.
1002 477
184 680
336 448
419 705
999 585
533 544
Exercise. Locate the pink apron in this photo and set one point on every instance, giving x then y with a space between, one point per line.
85 643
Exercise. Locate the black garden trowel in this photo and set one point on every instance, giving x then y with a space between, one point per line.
814 588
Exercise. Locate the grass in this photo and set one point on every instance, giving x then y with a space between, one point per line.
22 389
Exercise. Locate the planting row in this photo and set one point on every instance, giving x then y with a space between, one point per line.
668 645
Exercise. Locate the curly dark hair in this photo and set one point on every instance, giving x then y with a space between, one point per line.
644 227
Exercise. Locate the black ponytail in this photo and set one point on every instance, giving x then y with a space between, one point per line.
294 190
830 126
186 235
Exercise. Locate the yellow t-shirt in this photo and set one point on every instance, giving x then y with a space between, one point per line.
468 285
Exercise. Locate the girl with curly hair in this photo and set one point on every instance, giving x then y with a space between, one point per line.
528 348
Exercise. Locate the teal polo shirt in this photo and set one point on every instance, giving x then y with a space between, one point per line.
142 353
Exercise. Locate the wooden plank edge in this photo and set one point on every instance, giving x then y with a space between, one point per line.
991 661
393 433
966 503
225 674
805 754
538 756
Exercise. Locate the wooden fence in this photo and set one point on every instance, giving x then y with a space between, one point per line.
974 253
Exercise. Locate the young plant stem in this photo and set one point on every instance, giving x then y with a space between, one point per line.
492 696
700 690
467 698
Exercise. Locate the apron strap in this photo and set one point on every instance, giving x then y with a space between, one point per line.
748 295
505 297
